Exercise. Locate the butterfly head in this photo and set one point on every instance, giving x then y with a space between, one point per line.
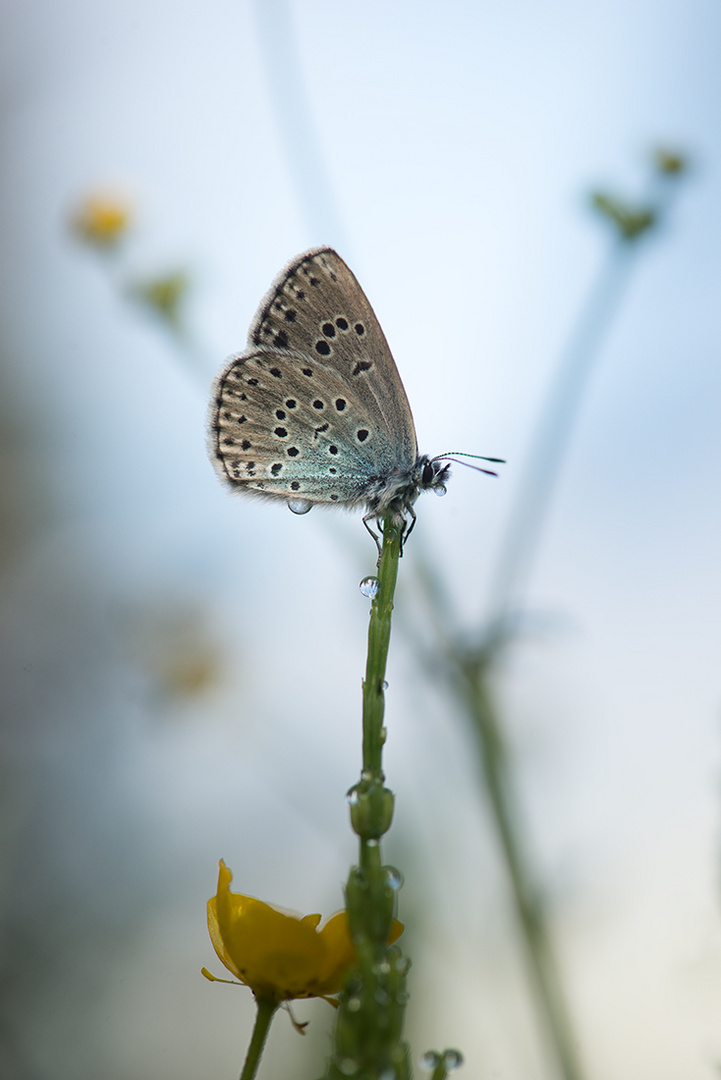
395 494
432 474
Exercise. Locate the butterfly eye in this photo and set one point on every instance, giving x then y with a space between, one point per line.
428 474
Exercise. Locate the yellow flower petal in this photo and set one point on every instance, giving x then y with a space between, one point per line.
279 955
339 954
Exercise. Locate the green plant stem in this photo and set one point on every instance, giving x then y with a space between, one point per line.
379 635
368 1040
263 1018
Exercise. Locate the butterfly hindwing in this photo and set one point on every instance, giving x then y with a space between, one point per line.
288 427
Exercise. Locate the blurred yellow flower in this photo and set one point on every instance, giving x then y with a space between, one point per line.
101 219
279 955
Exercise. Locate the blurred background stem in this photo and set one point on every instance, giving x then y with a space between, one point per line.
474 692
470 671
550 441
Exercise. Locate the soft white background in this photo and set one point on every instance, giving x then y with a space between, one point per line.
449 150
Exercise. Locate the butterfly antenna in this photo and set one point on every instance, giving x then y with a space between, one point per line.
478 457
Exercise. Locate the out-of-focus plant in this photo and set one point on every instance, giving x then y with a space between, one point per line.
164 297
469 670
631 221
102 219
174 643
105 223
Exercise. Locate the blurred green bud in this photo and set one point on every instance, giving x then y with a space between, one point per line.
371 809
163 295
669 162
631 222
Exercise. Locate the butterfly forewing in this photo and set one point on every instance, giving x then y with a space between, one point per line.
316 307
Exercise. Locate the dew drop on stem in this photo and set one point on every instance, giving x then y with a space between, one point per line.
394 878
430 1060
369 586
452 1059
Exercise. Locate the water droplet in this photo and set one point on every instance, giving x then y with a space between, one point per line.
299 506
452 1059
352 796
403 965
382 968
348 1066
430 1060
394 878
354 1004
369 586
382 997
367 775
388 1074
372 843
440 490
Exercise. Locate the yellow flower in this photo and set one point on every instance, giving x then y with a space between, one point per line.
101 219
279 955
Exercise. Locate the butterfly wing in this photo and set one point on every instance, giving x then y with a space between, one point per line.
284 426
317 308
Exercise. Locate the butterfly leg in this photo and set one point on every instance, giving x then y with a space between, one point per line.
367 518
408 529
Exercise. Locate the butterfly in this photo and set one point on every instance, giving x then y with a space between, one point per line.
313 412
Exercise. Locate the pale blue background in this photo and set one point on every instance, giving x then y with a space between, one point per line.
447 150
